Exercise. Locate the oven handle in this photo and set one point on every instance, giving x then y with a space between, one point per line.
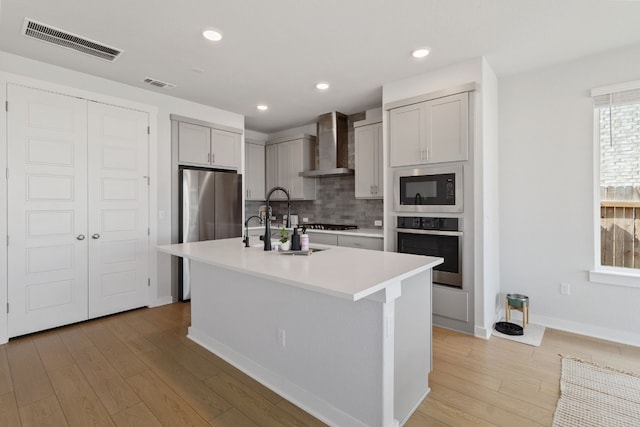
429 232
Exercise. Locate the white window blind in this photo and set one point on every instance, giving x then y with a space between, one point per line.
617 98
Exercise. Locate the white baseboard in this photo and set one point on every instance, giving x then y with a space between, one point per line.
485 332
482 332
415 408
162 301
307 401
608 334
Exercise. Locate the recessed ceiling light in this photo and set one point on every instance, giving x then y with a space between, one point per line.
262 107
420 53
322 86
213 35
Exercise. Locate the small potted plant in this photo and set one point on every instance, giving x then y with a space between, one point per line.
285 243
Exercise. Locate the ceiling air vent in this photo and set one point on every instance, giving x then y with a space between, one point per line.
158 83
63 38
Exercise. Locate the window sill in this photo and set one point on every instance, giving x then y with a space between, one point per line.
616 276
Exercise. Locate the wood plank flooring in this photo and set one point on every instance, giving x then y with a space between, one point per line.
139 369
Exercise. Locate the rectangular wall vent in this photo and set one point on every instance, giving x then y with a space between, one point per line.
158 83
68 40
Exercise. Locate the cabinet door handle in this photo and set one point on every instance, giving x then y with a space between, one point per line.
208 157
95 236
213 158
80 237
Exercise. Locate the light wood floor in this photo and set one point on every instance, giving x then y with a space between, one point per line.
138 369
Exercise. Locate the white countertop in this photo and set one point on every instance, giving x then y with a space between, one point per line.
348 273
363 232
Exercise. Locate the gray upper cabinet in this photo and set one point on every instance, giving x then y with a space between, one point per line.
368 161
271 170
433 131
254 155
206 146
225 149
285 159
194 144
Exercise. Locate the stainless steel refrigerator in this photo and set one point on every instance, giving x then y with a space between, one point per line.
210 209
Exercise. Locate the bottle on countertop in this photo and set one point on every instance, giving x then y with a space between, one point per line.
304 240
295 240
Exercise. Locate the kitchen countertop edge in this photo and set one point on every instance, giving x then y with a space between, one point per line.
230 254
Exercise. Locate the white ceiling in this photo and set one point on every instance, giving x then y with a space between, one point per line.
274 52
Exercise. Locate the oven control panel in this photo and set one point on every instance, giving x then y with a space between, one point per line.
428 223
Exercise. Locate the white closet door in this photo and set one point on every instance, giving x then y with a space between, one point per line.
47 195
118 209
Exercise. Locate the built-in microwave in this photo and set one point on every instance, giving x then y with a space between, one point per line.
429 189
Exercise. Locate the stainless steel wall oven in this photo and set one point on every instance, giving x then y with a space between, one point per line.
434 236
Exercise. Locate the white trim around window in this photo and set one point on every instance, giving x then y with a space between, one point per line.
618 276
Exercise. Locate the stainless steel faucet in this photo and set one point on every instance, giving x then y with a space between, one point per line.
267 221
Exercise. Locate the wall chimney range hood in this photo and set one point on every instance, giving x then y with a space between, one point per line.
333 146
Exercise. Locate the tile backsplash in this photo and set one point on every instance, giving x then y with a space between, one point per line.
335 203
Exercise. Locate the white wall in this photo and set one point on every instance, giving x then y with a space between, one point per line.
309 129
486 203
255 136
3 218
165 104
546 196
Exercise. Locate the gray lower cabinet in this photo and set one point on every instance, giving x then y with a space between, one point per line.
361 242
349 241
322 238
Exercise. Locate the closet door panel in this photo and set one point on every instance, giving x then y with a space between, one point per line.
47 200
118 209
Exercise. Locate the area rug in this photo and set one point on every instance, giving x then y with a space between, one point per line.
532 335
595 396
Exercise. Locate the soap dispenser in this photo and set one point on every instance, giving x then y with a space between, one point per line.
295 240
304 240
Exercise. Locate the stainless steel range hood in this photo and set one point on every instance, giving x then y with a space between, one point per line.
333 146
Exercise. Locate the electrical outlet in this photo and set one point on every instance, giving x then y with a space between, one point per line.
282 337
377 223
565 288
305 219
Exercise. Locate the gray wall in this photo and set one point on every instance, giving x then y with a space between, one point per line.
335 203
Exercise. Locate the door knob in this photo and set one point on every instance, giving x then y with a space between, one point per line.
95 236
80 237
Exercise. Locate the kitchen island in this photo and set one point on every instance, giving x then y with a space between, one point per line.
343 333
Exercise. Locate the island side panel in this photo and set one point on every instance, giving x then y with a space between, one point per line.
331 362
412 345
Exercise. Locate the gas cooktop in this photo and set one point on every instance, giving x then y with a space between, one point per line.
336 227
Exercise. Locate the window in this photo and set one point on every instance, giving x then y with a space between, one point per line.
617 139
